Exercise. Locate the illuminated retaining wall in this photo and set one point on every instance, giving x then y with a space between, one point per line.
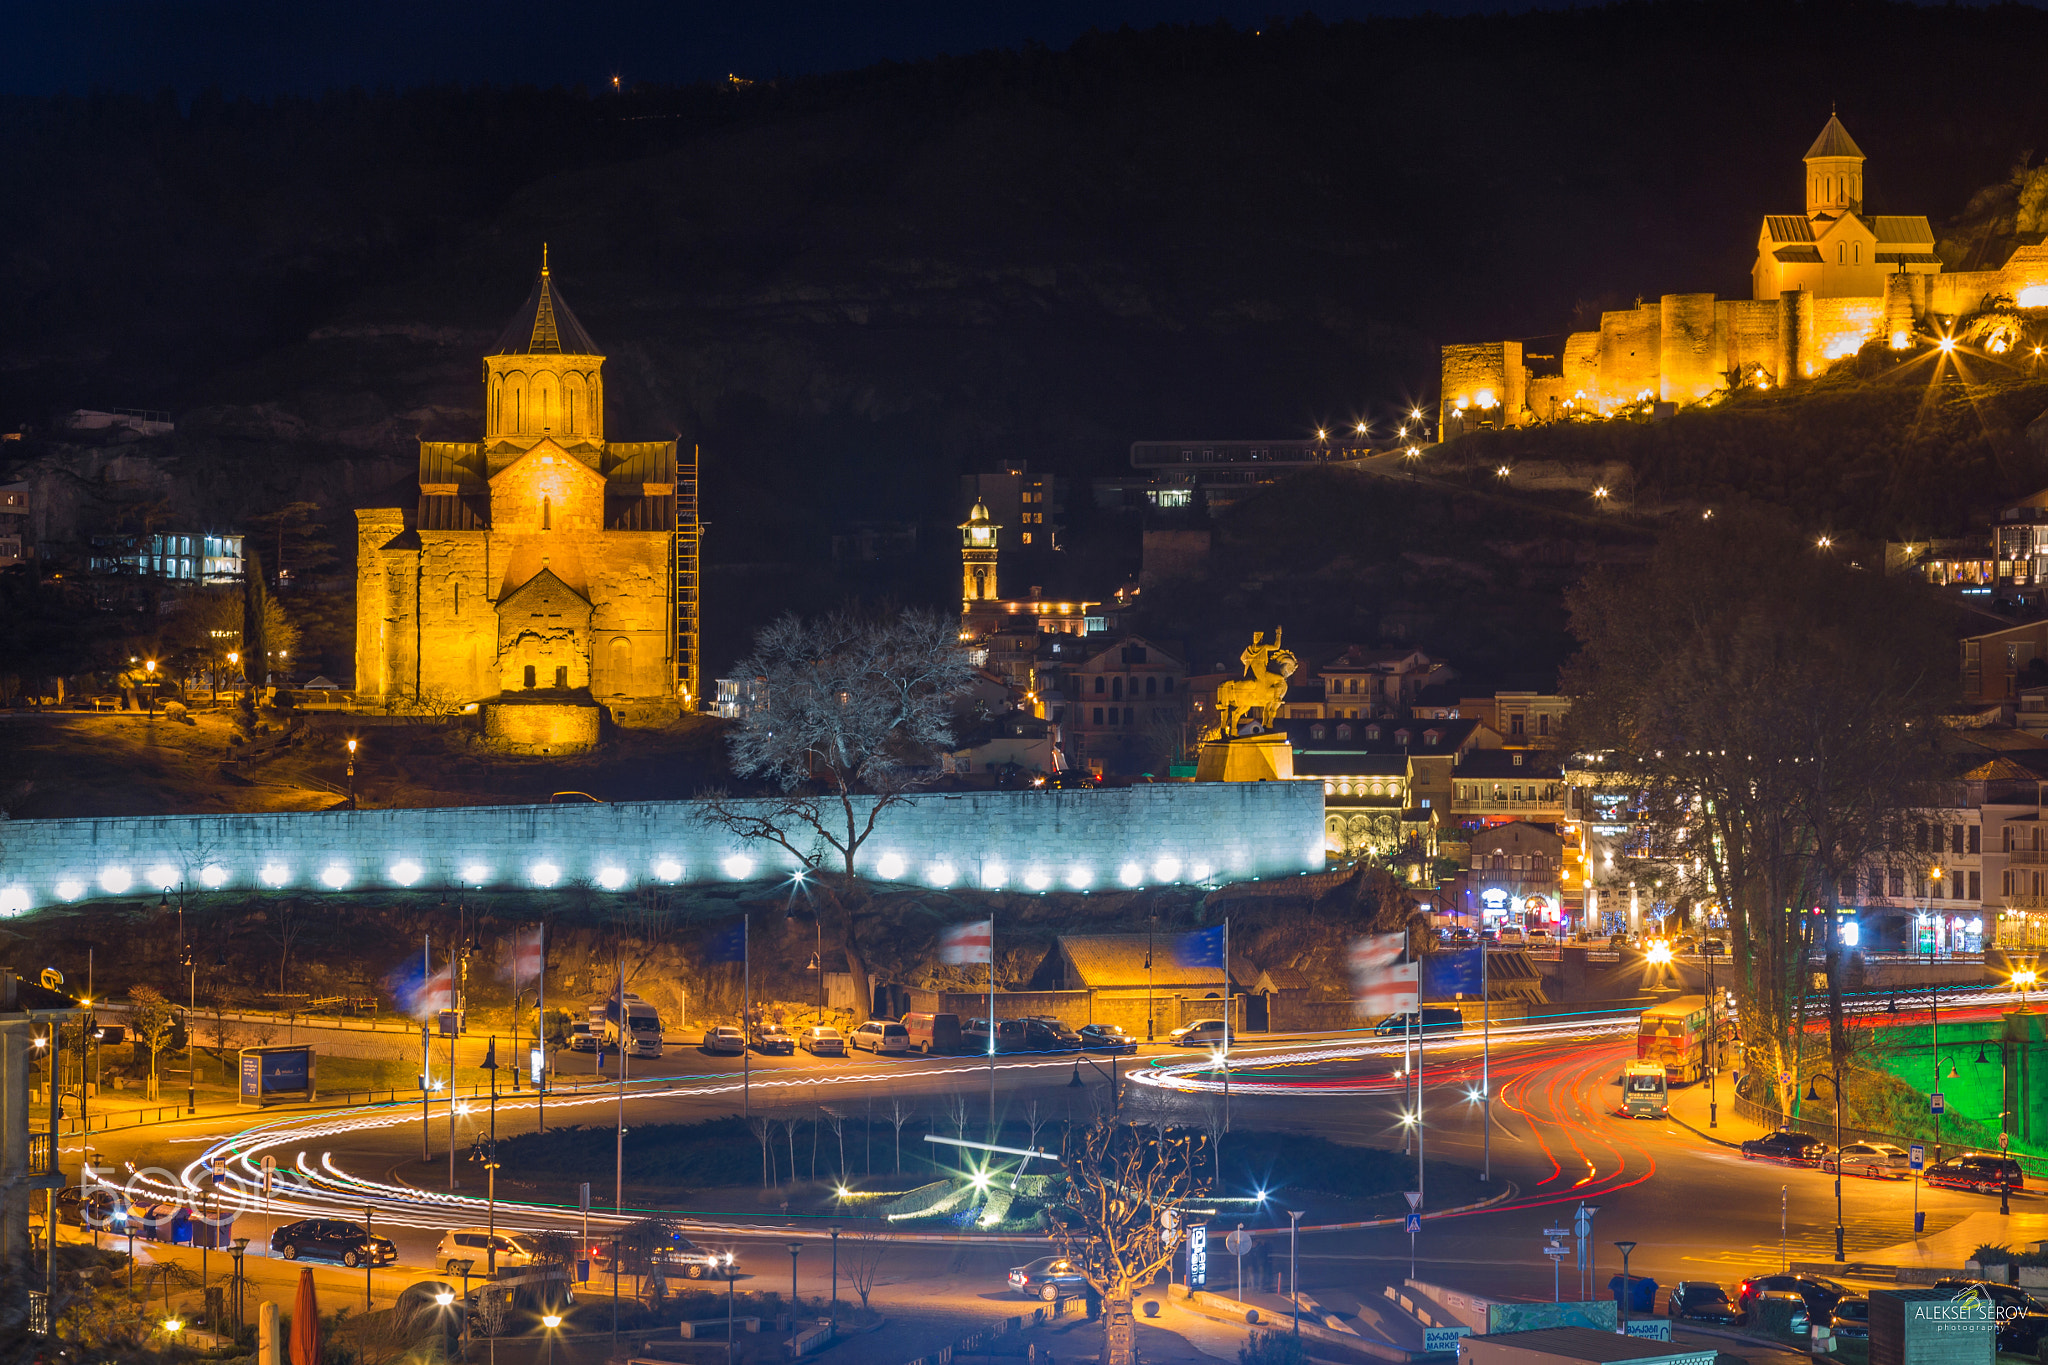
1129 836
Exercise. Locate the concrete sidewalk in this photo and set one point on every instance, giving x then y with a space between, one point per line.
1689 1109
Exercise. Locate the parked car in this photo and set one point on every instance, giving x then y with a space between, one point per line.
474 1245
1041 1034
1047 1278
1540 937
347 1242
1701 1301
1799 1313
931 1033
99 1207
581 1039
725 1038
822 1040
1107 1038
1851 1317
881 1035
772 1039
1793 1149
574 799
680 1259
1819 1295
1878 1160
1713 946
2022 1318
1200 1033
1983 1172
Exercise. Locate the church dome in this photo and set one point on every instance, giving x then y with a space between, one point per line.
544 325
1834 140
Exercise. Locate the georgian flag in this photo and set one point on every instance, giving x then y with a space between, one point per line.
526 956
1379 984
970 942
436 993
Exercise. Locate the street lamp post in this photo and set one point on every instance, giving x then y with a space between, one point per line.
1813 1093
237 1249
149 666
835 1282
1621 1300
795 1249
1293 1264
351 774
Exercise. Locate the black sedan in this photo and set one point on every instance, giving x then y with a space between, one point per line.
1107 1038
1793 1149
346 1242
1701 1301
1821 1295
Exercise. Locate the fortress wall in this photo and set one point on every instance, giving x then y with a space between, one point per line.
1547 395
1490 371
1963 292
1582 368
458 631
1687 359
1142 835
1628 355
1842 326
1750 334
2026 276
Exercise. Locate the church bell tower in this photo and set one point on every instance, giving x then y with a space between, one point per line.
1834 173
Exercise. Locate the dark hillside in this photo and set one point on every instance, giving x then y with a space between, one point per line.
849 288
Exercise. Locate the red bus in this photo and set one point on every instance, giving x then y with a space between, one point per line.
1675 1032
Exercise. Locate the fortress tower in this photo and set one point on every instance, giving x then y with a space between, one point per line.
545 572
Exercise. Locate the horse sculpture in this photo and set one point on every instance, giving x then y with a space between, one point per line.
1267 669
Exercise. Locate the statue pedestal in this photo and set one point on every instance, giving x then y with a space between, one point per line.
1246 758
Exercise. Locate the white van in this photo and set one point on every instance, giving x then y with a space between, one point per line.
475 1245
642 1031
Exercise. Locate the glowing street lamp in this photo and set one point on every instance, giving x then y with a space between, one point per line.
351 774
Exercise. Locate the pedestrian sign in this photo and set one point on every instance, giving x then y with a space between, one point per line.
1414 1222
1936 1103
1916 1156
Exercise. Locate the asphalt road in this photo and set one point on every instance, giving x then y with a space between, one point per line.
1694 1208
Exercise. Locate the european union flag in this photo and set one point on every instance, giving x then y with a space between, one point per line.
1447 976
1203 948
730 946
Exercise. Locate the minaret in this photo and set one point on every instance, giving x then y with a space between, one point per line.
1834 172
977 558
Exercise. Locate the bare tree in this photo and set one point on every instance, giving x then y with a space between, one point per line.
151 1018
286 928
900 1114
838 1132
956 1114
862 1253
1037 1117
764 1128
1119 1179
856 710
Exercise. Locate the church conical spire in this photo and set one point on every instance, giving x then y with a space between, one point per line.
1834 140
544 325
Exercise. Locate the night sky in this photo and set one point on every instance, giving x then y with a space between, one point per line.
263 48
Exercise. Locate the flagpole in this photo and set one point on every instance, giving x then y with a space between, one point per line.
1485 1061
1419 1031
518 994
454 1008
747 1013
619 1136
426 1046
1226 1023
991 1024
540 1022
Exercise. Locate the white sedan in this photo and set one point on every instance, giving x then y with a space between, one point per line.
725 1038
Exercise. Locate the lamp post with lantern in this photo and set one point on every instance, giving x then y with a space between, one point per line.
351 774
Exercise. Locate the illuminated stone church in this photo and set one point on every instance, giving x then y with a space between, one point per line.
544 572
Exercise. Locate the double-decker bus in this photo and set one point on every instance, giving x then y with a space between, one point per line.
1675 1032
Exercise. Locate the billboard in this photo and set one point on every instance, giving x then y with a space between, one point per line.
270 1074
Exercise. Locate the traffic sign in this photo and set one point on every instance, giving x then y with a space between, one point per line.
1936 1103
1556 1232
1238 1243
1198 1255
1916 1157
1582 1225
1414 1198
1784 1078
1414 1222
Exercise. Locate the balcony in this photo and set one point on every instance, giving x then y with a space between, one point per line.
2037 857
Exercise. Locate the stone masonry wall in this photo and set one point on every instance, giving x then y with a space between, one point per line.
1130 836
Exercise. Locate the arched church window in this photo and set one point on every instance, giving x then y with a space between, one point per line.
458 599
621 665
1828 188
1858 250
529 675
1841 253
547 514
